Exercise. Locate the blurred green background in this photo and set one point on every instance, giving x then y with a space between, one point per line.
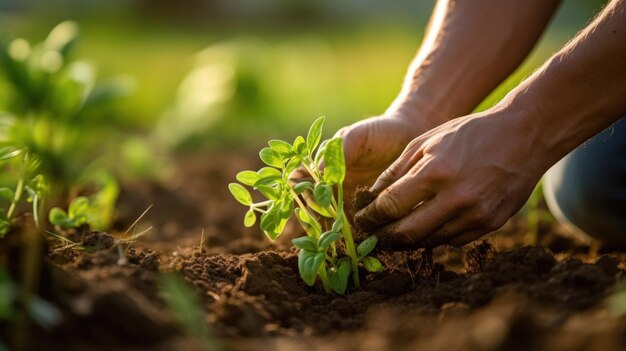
215 73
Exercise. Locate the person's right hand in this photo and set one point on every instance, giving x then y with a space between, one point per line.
373 144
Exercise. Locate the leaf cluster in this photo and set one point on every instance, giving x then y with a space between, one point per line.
307 200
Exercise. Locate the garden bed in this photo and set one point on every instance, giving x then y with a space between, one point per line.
498 294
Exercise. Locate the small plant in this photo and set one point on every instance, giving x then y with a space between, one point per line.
320 253
28 182
75 216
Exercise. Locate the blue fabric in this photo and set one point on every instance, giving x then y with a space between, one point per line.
587 188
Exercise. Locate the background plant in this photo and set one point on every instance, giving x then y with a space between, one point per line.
29 186
58 113
320 253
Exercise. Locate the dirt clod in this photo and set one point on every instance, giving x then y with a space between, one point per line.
96 240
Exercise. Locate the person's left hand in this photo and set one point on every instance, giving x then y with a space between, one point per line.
456 182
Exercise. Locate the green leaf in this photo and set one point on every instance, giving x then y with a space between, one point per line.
338 224
286 208
268 191
323 194
366 246
268 176
326 239
311 229
281 147
7 193
271 157
248 178
301 187
8 152
293 164
78 207
334 161
302 216
240 194
318 208
269 221
62 38
249 219
309 262
305 243
267 172
338 277
58 217
320 151
315 134
372 264
273 221
299 146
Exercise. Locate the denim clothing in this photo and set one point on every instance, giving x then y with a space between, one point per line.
587 189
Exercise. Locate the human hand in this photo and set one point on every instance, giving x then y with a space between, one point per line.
371 145
456 183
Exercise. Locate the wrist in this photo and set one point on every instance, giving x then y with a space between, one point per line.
416 110
538 141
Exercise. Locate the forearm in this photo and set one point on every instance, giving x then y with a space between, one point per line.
470 47
580 91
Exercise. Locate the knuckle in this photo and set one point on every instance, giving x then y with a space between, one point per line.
389 205
390 173
414 144
439 171
463 199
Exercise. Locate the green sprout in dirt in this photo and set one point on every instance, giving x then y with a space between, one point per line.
75 216
320 250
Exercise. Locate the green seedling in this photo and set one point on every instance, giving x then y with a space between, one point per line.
78 214
319 254
75 216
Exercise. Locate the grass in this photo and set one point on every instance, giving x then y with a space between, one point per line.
345 72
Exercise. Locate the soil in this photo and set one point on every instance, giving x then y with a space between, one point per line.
498 294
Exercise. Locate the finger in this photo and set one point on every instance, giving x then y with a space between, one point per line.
396 171
395 201
460 224
468 237
414 227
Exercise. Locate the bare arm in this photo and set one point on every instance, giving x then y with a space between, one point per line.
470 47
468 176
581 90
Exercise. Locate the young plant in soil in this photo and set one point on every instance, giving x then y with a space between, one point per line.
327 251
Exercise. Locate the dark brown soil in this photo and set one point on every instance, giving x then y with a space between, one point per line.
498 294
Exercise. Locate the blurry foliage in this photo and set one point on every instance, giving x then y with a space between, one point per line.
23 166
58 113
39 310
184 304
244 87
